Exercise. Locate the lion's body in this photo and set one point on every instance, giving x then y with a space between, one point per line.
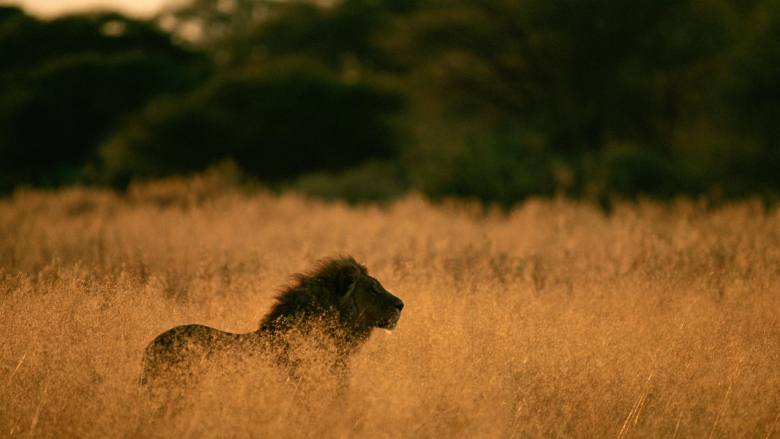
178 352
331 309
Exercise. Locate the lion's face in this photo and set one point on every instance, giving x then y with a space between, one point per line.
375 306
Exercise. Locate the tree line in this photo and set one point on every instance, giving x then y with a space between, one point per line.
366 99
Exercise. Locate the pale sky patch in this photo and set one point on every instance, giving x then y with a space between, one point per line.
52 8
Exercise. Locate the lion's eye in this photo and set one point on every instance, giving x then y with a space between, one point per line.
373 291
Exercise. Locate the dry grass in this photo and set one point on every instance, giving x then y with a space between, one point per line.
552 321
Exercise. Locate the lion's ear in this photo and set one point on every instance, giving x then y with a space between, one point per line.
347 277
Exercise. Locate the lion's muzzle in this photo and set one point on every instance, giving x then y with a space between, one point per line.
395 314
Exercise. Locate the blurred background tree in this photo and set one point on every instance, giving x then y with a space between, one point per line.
65 84
277 122
366 99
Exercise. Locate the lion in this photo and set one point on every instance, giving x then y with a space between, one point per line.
333 308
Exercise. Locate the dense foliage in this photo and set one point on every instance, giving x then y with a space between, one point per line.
66 84
493 99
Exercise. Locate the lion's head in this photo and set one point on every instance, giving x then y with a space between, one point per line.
339 286
365 302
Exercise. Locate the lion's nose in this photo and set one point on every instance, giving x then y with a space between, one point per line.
399 306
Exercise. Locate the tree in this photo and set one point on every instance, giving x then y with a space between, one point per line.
66 83
278 122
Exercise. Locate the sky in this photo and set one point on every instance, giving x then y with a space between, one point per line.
51 8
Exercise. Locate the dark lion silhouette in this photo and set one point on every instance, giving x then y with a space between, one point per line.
336 304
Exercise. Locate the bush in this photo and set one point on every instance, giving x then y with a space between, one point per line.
501 166
373 181
631 171
276 123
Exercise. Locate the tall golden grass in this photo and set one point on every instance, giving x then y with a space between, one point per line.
552 320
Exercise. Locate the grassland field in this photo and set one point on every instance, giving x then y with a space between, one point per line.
552 320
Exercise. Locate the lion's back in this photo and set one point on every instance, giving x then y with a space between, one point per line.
182 347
